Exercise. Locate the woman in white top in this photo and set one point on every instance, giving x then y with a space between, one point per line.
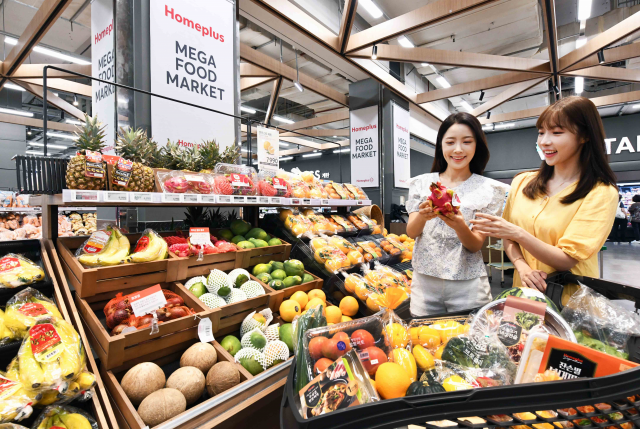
449 272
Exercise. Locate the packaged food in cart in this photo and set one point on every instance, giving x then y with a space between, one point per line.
25 309
430 336
313 318
59 416
272 186
343 384
235 179
453 377
335 190
356 191
397 335
344 226
320 224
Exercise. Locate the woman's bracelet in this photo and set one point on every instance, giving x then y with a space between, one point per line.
517 259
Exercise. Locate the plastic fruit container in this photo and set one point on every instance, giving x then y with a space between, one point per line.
234 179
270 186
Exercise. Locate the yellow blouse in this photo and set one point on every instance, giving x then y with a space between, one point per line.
579 229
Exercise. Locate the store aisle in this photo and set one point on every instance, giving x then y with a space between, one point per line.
622 263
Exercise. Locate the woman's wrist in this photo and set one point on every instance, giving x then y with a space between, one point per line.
520 264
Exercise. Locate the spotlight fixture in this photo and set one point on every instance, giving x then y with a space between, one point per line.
489 114
374 53
601 56
297 82
481 95
75 100
555 88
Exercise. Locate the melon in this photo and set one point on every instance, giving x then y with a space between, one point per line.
236 295
252 289
528 293
218 283
212 301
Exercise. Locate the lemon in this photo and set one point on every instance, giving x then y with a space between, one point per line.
455 382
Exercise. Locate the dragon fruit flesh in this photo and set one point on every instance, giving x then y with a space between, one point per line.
443 200
180 249
176 185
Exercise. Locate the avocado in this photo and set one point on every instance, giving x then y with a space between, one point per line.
307 278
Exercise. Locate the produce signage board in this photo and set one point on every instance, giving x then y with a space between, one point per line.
192 60
103 66
401 144
364 147
148 300
268 150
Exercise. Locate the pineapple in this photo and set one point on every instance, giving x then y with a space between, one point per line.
90 136
168 156
189 159
210 155
135 146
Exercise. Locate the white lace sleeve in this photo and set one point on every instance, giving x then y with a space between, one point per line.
414 199
499 192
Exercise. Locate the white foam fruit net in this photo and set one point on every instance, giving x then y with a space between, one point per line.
275 351
252 289
246 339
272 332
233 275
250 352
250 323
194 280
235 295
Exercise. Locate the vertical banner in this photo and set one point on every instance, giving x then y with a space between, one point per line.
401 147
364 147
268 150
192 60
103 67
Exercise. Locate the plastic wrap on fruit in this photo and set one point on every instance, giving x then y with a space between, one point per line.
78 390
298 225
453 377
150 247
391 277
105 247
118 310
64 416
270 186
25 309
6 335
12 426
320 223
15 401
335 190
315 187
331 257
175 183
356 285
16 270
356 191
199 183
312 318
233 179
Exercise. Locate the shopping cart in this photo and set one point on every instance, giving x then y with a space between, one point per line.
498 406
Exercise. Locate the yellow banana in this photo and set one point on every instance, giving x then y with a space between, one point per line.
57 421
110 247
30 373
49 397
70 359
50 306
164 251
12 370
151 253
120 255
86 380
52 372
75 421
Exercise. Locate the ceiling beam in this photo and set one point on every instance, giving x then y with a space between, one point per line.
613 55
36 123
383 76
263 60
454 58
609 100
252 70
62 85
319 120
252 82
411 21
607 73
302 20
273 100
549 18
52 99
44 18
601 41
506 95
318 133
28 71
475 85
346 23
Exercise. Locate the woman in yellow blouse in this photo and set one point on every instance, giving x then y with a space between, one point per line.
558 218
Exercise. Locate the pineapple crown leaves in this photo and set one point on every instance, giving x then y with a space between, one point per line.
190 159
135 145
90 135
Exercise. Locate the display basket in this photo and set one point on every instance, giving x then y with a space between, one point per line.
496 406
280 295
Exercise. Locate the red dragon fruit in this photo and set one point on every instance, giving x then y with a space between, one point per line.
234 184
180 249
227 247
199 186
176 185
443 200
174 239
274 187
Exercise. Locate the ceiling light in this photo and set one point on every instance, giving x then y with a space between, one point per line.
122 100
298 86
481 95
579 85
636 106
309 155
16 112
10 40
405 42
50 52
14 87
466 106
342 150
62 136
508 125
33 152
374 53
488 127
435 70
488 114
56 94
335 137
371 7
244 150
443 82
580 41
283 119
297 82
286 158
284 144
601 56
74 122
29 132
247 109
584 9
49 146
75 100
424 65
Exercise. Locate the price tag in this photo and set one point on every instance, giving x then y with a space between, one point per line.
171 198
205 330
315 202
116 197
324 202
360 202
263 200
275 200
141 197
199 236
146 301
85 196
252 200
211 199
224 199
306 201
296 201
239 199
191 198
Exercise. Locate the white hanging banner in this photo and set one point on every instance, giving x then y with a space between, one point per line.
192 60
364 147
401 147
268 150
103 66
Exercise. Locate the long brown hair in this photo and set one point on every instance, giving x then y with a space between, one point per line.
580 116
480 158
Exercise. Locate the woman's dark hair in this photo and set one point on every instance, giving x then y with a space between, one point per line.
580 116
481 157
636 198
619 197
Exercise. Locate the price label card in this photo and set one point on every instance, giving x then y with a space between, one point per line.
141 197
172 198
199 236
306 201
324 202
296 201
191 198
85 196
224 199
360 203
275 200
116 197
205 331
263 200
148 300
239 199
252 200
210 199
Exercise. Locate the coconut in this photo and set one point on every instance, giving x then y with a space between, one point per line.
142 380
189 380
161 405
200 355
222 376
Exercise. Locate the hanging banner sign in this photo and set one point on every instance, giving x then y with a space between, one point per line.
401 145
192 60
268 150
103 66
364 147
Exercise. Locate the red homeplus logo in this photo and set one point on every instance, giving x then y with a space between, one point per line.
101 35
366 128
187 144
204 30
402 128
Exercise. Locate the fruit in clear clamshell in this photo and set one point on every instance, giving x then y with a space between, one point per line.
90 137
176 185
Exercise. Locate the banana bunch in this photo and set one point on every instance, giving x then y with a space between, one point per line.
16 400
65 417
6 334
150 247
16 270
76 389
114 251
25 308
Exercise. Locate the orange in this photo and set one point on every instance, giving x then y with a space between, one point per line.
349 306
345 319
424 360
362 292
298 230
317 293
332 265
314 302
448 329
334 315
355 257
413 334
351 282
289 309
397 335
406 360
392 381
372 304
284 213
301 297
318 243
403 238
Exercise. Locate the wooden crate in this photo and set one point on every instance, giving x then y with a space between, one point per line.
93 281
100 406
116 350
280 295
263 255
206 413
191 267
